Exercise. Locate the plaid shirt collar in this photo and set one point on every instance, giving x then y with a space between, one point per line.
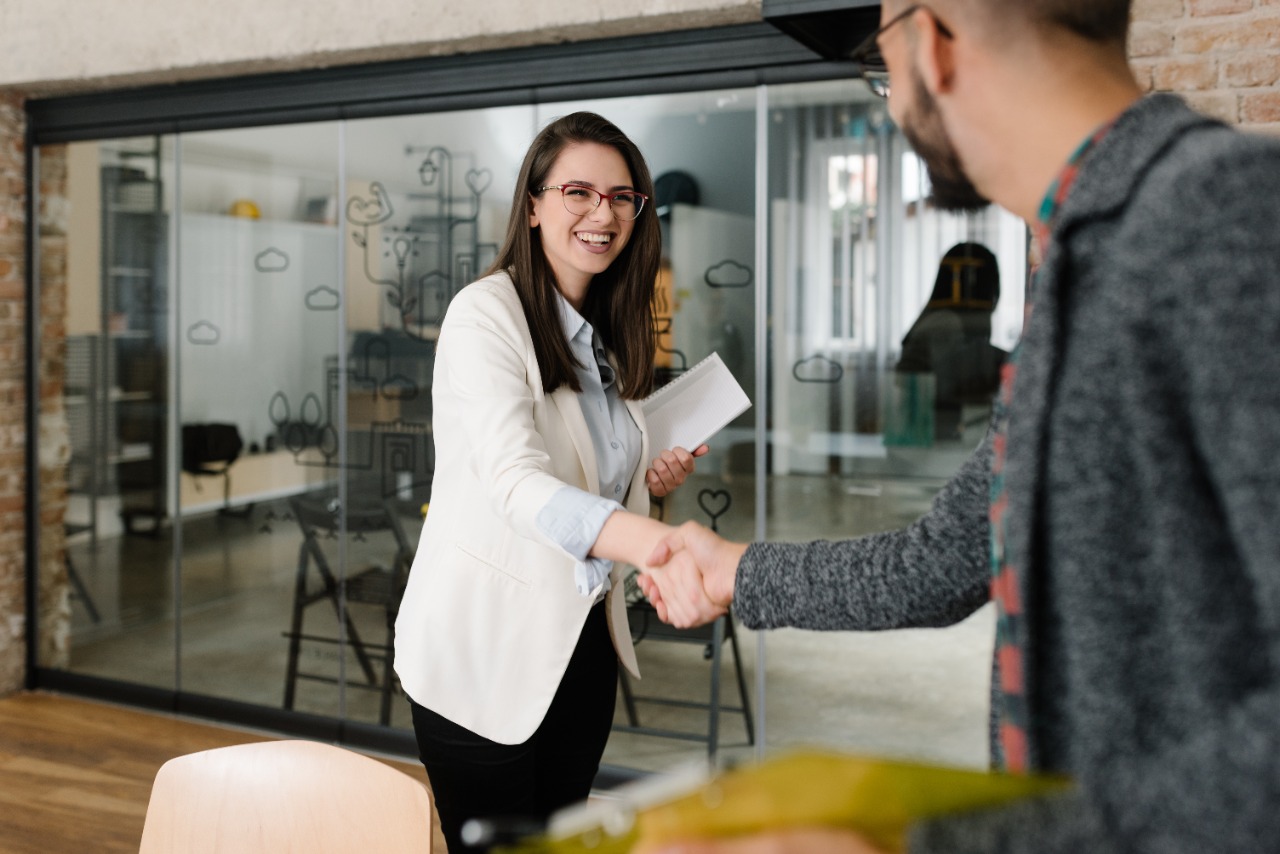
1061 187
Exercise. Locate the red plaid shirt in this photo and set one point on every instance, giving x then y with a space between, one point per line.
1011 702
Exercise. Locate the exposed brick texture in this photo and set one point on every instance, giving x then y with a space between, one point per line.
1205 8
54 607
13 508
1158 10
1223 54
1260 107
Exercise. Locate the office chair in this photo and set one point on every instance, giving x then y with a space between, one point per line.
644 623
380 586
210 450
78 588
278 796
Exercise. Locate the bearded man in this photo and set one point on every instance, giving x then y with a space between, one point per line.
1122 512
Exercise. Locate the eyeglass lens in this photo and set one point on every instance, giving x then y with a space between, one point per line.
871 60
877 82
583 200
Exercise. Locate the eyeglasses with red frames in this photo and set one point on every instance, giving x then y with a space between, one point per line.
871 64
580 201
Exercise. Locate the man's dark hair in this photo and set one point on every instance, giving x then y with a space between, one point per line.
1105 21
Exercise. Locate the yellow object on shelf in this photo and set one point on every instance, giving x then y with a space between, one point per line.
245 208
878 798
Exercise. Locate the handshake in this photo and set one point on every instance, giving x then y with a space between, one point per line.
690 574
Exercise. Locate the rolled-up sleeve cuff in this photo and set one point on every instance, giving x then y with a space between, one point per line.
573 519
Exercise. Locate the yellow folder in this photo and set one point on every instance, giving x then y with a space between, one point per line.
877 797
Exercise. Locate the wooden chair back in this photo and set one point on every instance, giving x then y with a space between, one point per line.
282 796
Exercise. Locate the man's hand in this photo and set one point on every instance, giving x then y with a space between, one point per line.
676 592
670 468
815 840
689 577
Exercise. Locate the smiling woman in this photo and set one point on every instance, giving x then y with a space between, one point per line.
578 222
542 481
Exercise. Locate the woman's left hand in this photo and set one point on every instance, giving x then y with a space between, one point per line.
670 469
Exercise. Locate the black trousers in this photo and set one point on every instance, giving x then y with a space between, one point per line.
473 777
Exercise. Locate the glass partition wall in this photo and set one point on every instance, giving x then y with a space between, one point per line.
246 350
106 273
885 332
258 299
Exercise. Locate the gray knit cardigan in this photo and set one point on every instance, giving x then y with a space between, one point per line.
1143 470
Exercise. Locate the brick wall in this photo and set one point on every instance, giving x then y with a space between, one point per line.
12 395
54 606
1223 56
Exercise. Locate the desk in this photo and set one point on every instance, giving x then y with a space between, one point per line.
257 477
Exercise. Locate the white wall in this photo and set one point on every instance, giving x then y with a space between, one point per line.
58 46
248 329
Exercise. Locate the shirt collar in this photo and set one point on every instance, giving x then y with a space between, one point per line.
1061 187
573 322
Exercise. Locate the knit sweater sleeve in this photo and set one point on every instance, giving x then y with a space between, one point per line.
933 573
1060 824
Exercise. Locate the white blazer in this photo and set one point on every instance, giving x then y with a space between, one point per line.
491 615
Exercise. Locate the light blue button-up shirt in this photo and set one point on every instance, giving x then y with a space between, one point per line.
573 517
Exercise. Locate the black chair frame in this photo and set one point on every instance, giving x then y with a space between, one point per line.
78 588
376 585
644 623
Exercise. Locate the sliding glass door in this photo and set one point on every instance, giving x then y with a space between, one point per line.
242 324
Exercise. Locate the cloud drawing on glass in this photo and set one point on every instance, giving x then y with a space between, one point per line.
271 260
203 333
322 298
728 274
817 369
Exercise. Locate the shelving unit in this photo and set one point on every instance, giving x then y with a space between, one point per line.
117 376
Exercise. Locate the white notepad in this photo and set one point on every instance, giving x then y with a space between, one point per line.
693 407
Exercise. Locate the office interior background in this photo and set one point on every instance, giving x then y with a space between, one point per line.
258 219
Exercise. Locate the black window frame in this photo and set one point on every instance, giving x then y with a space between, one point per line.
737 56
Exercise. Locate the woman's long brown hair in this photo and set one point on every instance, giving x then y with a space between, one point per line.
619 301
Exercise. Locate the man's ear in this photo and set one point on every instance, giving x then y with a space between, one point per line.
935 54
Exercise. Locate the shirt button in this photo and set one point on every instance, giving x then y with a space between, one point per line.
617 489
613 445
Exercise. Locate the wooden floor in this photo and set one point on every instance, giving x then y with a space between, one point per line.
75 775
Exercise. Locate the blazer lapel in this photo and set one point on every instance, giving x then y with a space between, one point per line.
566 401
570 409
637 477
